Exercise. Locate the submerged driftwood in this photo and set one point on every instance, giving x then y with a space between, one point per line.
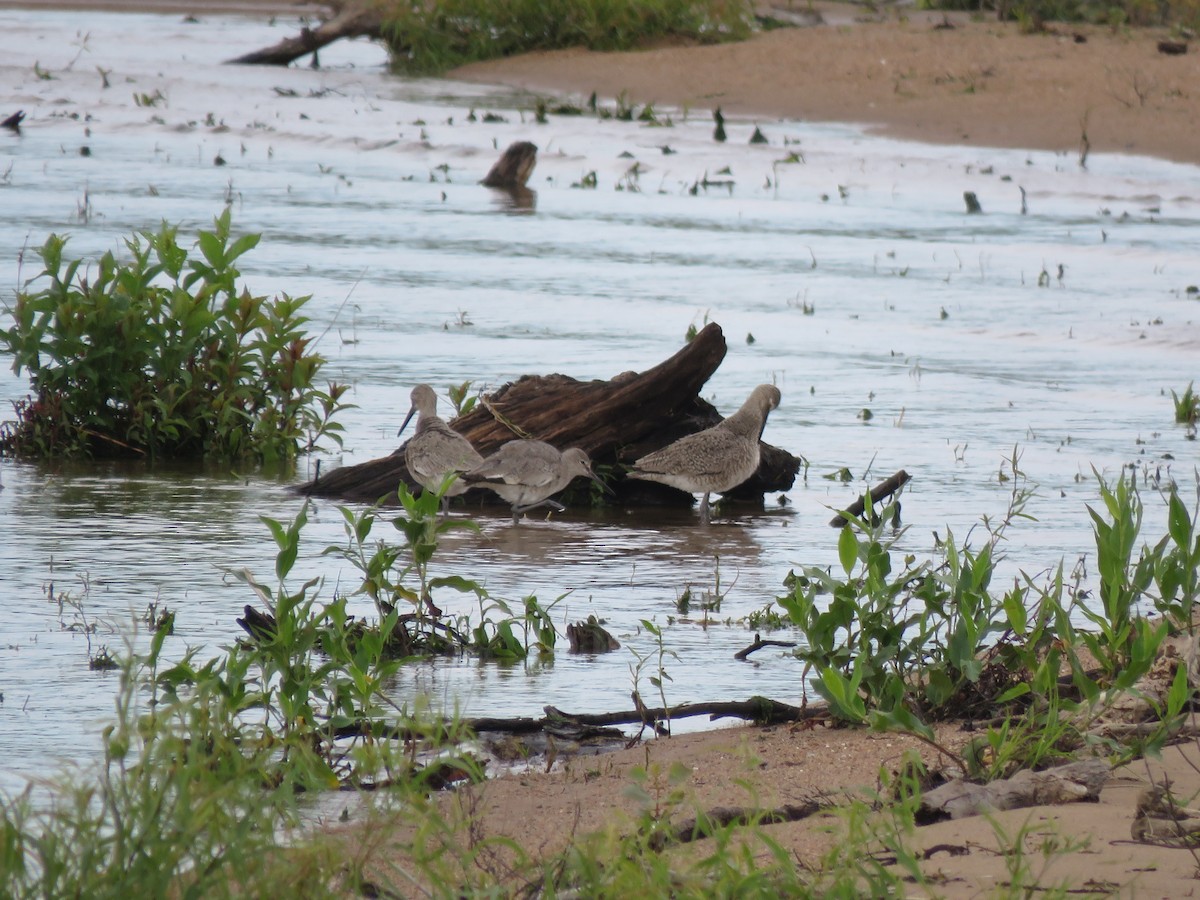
614 422
880 492
512 170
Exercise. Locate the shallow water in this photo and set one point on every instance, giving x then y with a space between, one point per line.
932 319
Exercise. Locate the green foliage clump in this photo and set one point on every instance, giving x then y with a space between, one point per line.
902 647
439 35
1187 406
178 804
163 356
1031 14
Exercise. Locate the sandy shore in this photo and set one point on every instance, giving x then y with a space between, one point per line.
977 82
1084 848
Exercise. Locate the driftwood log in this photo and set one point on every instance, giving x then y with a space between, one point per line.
760 710
881 491
713 820
591 637
513 168
1073 783
758 644
349 21
614 422
511 172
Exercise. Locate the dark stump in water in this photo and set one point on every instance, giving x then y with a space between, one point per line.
512 170
615 422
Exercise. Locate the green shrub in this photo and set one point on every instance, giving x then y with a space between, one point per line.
1032 13
901 649
163 356
439 35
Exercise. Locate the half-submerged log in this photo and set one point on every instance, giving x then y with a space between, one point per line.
591 637
353 20
613 421
512 170
757 709
881 491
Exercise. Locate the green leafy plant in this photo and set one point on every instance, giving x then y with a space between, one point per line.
436 36
1175 563
1123 643
185 801
902 646
463 404
163 355
386 569
659 677
1187 406
901 650
886 821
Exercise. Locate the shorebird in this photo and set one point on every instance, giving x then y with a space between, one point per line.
526 473
717 459
436 450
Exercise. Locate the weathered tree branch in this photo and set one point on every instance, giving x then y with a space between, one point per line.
758 644
760 710
881 491
349 21
705 824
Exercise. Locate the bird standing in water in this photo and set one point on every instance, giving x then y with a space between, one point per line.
436 450
527 473
717 459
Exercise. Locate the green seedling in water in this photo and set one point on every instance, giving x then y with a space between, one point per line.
1187 406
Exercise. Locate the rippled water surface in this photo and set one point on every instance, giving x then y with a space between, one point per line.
848 258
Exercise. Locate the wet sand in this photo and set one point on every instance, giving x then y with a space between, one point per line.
978 82
942 78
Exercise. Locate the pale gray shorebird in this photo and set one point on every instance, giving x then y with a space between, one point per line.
527 473
436 450
717 459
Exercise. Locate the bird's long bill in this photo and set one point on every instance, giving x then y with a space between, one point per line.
412 412
604 487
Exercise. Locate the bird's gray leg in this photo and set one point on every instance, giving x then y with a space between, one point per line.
704 518
552 504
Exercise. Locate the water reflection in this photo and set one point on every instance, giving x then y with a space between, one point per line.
515 200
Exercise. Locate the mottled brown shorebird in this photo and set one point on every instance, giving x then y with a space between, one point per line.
436 450
526 474
717 459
